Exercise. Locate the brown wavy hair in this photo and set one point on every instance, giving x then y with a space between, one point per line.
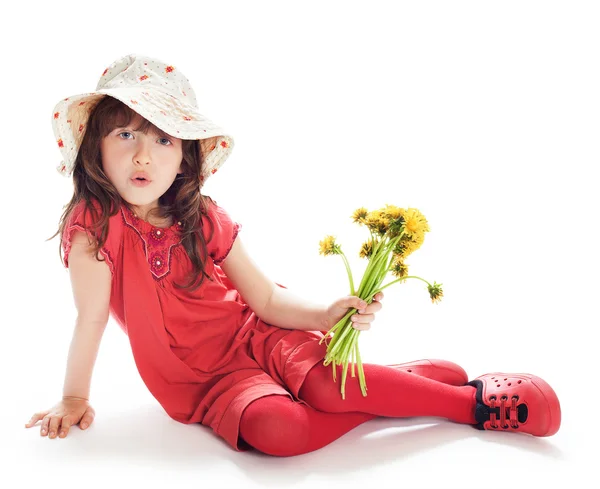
181 202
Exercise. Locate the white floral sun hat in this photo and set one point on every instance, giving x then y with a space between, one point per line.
157 91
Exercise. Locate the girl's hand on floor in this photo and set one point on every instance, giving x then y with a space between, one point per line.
63 415
361 319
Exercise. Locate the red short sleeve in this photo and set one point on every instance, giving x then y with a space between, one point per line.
83 219
224 234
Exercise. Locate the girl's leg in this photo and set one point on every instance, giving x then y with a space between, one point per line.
390 392
498 401
277 425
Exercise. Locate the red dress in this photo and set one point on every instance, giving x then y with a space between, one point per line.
204 355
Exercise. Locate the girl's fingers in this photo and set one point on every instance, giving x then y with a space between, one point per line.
363 318
45 423
361 326
53 428
86 420
362 322
371 308
65 425
34 419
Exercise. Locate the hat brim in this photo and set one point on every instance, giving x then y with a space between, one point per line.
168 113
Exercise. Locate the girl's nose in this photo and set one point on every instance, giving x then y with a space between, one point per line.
142 153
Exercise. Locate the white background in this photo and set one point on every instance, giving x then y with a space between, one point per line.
483 115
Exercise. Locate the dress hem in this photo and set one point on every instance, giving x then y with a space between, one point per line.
300 361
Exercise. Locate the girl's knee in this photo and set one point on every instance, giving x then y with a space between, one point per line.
275 425
318 389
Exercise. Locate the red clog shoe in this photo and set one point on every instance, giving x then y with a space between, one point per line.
516 402
440 370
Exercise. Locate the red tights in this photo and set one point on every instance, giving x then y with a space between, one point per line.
277 425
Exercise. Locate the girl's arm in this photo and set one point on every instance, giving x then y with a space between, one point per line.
91 284
271 303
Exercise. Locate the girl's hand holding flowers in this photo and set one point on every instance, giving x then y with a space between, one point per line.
395 233
361 319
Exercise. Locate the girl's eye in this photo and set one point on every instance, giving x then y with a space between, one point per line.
161 139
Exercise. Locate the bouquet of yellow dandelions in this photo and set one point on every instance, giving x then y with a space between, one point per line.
395 234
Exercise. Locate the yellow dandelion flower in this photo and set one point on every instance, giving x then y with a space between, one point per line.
377 222
398 268
328 246
360 215
405 247
395 219
415 222
435 292
366 250
413 244
393 212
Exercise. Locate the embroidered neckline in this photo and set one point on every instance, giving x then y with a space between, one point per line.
145 226
158 242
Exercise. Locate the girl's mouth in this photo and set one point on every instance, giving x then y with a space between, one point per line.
140 182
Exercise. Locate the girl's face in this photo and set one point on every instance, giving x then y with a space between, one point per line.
125 152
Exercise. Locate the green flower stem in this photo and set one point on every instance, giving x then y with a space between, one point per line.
361 373
337 326
400 279
379 270
354 358
379 273
374 273
349 344
370 273
339 343
349 272
352 344
340 350
343 359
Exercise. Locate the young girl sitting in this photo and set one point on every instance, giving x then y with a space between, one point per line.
214 340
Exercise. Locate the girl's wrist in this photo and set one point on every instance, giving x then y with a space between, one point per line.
74 398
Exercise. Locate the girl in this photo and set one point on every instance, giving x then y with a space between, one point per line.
214 340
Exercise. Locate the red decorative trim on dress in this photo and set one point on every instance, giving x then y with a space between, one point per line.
158 235
67 246
158 244
236 229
